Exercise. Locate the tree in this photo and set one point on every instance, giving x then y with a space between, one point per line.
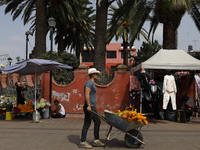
18 58
65 12
146 51
170 14
81 29
123 27
100 33
64 76
16 7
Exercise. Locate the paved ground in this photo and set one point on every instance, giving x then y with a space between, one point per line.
64 134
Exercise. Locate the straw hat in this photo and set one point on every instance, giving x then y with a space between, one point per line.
92 70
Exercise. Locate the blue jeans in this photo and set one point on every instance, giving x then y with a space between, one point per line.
89 116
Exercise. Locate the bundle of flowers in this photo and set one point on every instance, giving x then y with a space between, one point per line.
28 107
3 111
5 101
42 104
182 73
131 115
182 78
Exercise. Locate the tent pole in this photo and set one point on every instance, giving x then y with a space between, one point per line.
141 100
35 88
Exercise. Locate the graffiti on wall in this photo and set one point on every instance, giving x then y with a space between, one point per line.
61 96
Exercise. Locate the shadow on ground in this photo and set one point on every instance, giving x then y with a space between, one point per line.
109 144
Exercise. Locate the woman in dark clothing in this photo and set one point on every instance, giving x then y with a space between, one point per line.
20 89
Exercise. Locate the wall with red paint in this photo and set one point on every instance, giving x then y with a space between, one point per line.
112 97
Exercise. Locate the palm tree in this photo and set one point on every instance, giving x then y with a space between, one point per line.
123 27
64 13
16 7
81 29
170 14
100 33
41 25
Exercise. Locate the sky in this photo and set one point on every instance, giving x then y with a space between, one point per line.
13 39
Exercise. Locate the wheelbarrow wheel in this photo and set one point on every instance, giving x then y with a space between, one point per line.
131 142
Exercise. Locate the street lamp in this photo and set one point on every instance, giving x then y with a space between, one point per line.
9 60
30 32
52 24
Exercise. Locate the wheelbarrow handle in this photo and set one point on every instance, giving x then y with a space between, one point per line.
99 115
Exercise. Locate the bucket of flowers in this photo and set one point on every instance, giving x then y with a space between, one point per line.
43 104
7 102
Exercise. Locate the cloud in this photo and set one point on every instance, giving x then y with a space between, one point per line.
17 38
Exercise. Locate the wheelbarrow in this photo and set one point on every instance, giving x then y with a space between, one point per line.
133 137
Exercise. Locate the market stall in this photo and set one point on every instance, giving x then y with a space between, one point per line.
35 66
169 62
8 106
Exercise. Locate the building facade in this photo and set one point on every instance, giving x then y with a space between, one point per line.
114 55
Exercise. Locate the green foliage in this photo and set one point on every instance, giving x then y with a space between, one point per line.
18 58
197 55
64 76
146 51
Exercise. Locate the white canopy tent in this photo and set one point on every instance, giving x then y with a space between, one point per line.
170 59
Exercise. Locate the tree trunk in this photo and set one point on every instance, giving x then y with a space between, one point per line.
78 55
169 35
40 36
125 51
100 36
60 41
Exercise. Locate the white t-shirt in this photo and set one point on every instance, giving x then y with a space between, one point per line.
62 110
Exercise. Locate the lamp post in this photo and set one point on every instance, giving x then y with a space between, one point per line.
9 60
52 24
27 39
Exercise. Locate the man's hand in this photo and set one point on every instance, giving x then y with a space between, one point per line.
89 108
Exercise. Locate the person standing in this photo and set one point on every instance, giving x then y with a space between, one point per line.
20 92
90 104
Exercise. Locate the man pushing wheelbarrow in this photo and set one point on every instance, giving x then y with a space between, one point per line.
129 122
90 105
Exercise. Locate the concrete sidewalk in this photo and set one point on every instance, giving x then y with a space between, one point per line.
64 134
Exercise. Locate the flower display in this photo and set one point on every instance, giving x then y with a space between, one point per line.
131 115
182 78
42 104
182 73
5 101
28 107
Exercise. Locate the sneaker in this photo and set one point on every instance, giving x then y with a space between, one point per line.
84 145
97 143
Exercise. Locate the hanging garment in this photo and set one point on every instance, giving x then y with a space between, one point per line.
197 79
169 90
144 81
134 83
155 91
133 95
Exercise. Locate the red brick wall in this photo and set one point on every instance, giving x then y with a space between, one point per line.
112 97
